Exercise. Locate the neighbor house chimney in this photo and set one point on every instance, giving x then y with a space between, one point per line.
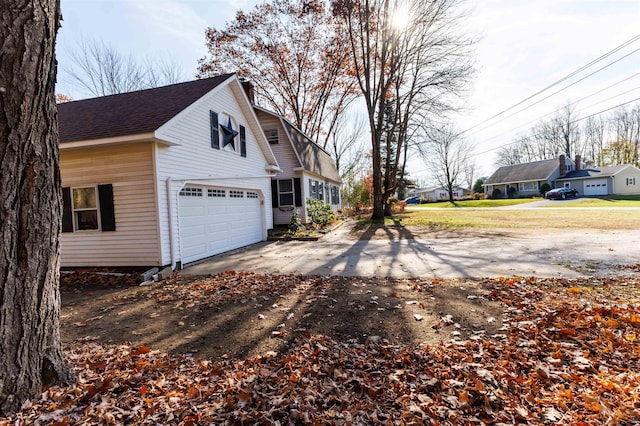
578 158
248 89
563 167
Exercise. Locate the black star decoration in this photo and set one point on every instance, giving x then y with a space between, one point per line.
228 135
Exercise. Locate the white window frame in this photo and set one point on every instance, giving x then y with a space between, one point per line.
528 186
96 208
280 193
272 136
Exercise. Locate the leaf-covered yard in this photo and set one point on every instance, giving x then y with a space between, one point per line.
330 350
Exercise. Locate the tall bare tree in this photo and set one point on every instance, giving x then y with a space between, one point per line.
296 57
625 124
346 139
30 217
97 69
409 63
447 154
594 130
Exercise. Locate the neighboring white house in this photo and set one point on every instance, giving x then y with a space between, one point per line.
163 176
435 193
308 171
607 180
527 178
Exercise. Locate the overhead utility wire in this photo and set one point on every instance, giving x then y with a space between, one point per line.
571 122
558 91
600 58
570 104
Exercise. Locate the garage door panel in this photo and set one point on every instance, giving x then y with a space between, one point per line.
211 225
596 187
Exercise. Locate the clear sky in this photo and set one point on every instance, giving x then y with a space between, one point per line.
523 46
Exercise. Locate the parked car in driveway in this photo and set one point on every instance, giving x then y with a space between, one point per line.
412 200
561 193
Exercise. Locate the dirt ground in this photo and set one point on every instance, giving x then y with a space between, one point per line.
238 315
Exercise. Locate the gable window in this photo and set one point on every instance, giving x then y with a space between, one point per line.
631 181
272 136
85 209
215 132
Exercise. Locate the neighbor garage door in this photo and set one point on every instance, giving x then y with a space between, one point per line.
595 187
215 220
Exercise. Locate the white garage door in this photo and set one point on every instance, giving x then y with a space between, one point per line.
215 220
595 187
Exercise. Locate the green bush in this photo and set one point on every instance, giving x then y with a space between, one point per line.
496 193
295 224
544 188
319 213
511 192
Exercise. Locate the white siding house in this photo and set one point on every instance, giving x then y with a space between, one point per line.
308 171
163 176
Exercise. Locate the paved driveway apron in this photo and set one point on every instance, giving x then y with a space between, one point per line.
459 257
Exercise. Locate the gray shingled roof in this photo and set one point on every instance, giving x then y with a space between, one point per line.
594 173
129 113
313 157
538 170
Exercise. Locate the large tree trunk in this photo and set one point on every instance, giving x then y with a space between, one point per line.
30 349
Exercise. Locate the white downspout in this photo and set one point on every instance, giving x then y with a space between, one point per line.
171 236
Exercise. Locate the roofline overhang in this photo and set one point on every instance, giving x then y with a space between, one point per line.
141 137
515 181
601 176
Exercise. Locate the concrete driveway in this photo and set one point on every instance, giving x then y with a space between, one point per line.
487 254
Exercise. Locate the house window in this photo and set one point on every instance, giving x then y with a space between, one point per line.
335 195
285 192
631 181
528 186
85 209
191 192
236 194
272 136
216 193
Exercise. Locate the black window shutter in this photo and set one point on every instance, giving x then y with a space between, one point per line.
215 132
107 212
274 193
67 219
243 141
297 190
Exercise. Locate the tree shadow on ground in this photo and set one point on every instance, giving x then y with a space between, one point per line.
347 309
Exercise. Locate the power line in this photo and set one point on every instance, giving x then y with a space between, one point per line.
600 58
570 104
558 91
571 122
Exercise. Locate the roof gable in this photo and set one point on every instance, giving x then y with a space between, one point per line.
537 170
312 157
595 172
129 113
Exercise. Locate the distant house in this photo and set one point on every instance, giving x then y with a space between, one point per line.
436 193
527 178
622 179
308 171
163 176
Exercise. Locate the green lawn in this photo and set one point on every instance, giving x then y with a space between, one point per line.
607 201
522 219
499 202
